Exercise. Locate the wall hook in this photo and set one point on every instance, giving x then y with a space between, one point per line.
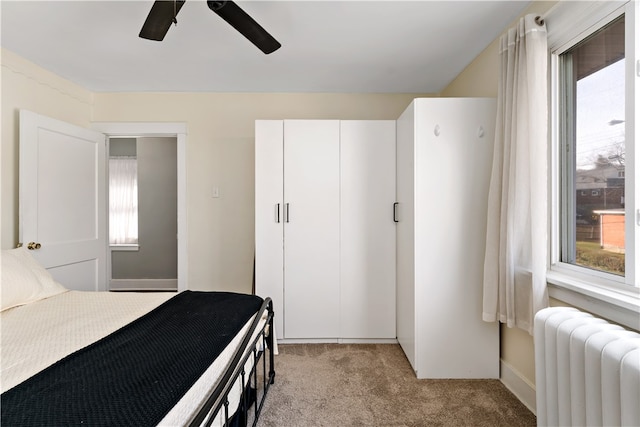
436 130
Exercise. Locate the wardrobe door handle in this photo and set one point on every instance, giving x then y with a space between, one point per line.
395 212
286 212
278 213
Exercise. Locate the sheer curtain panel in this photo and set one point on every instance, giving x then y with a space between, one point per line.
516 248
123 200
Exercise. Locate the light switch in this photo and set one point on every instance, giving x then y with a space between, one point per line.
215 192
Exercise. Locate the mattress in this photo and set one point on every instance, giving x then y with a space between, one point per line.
38 334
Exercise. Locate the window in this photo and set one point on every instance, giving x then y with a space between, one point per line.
123 201
592 79
594 91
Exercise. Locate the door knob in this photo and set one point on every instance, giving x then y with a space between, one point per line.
33 245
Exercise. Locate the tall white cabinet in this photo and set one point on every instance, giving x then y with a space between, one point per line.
444 151
325 236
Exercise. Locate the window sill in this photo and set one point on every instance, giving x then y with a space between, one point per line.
616 305
124 248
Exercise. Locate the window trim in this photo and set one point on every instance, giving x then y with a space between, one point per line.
124 247
604 294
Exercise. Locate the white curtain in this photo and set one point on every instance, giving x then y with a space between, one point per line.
515 265
123 200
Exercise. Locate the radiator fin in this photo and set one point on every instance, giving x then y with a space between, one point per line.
587 370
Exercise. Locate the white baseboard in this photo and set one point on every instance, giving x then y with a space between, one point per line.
368 341
517 384
143 284
307 340
337 341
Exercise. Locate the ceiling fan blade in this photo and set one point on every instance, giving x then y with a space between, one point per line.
246 25
160 18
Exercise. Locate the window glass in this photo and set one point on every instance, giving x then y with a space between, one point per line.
123 200
594 151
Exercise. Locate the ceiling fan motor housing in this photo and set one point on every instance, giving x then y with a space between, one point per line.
215 5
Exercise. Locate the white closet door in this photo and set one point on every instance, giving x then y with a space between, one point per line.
367 229
269 216
312 228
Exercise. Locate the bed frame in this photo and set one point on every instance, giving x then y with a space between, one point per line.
256 348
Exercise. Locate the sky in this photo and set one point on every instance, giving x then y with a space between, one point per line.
600 100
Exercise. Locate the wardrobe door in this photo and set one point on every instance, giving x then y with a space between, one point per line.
269 221
312 228
367 229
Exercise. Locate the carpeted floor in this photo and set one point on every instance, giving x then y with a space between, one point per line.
374 385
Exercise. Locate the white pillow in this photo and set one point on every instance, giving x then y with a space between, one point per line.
24 280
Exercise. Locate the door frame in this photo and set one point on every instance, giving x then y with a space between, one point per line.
155 129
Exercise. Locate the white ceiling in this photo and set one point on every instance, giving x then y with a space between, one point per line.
327 46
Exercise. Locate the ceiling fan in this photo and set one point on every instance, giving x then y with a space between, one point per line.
163 13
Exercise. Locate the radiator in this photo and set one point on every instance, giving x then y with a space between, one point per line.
587 370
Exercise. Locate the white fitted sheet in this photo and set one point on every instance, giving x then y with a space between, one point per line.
37 335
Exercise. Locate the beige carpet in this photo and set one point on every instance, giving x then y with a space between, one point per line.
374 385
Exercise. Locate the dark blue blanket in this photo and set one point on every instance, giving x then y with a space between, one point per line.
137 374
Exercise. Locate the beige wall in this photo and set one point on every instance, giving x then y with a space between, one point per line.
27 86
220 152
480 78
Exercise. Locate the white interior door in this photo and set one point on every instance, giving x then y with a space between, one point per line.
312 228
367 230
63 201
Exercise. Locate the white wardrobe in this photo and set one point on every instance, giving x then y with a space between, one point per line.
444 155
324 224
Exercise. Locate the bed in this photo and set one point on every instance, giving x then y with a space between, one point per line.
107 358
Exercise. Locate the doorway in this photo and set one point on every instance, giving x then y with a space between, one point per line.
143 214
175 132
